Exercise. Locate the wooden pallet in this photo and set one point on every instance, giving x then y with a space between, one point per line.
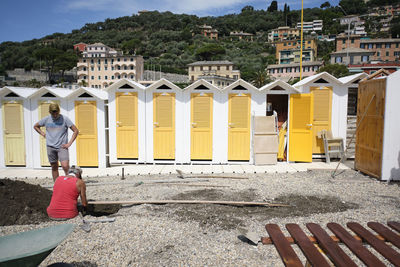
321 249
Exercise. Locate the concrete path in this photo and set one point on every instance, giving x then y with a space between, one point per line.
154 169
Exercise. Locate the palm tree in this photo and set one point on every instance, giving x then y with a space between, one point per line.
260 78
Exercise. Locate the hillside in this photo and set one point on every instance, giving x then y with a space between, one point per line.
173 40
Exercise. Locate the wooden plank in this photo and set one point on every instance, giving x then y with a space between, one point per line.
395 225
389 235
232 203
380 246
285 250
355 246
268 241
337 255
309 250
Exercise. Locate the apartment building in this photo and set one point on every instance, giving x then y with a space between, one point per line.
309 26
283 33
287 72
288 51
351 56
209 32
241 36
369 68
219 73
384 49
100 66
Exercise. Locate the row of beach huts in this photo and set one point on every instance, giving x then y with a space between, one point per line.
163 123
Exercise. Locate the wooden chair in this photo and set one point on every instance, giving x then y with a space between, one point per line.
331 144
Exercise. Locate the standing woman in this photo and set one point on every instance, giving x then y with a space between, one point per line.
57 138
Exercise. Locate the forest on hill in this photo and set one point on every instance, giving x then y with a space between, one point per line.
171 41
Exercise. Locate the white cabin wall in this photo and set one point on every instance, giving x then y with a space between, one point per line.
391 140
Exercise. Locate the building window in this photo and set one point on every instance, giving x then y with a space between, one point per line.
92 77
105 68
92 68
343 41
387 53
99 77
209 67
98 68
396 53
112 68
387 45
201 68
227 67
119 67
84 68
112 77
132 77
192 68
125 68
364 58
378 45
192 79
218 67
119 76
105 77
105 61
378 54
362 46
91 61
370 46
352 41
338 59
112 61
125 59
98 62
84 61
397 45
118 59
132 59
84 77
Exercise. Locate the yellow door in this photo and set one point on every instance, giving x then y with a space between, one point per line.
86 143
14 140
164 125
300 127
43 112
127 125
201 126
322 114
239 127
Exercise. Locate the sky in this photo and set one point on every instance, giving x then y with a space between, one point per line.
22 20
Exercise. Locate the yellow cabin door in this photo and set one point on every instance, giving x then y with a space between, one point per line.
43 112
201 126
322 114
14 140
239 127
127 125
86 143
300 127
164 125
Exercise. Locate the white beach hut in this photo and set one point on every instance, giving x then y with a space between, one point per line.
40 102
241 101
86 108
327 111
127 126
202 106
17 127
164 122
351 82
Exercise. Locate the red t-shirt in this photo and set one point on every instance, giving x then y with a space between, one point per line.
64 199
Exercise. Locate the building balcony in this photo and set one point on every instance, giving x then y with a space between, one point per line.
81 64
82 72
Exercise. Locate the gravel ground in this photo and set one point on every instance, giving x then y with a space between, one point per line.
209 235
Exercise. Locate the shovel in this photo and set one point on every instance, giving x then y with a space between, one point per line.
85 225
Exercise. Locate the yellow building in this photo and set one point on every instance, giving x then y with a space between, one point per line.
286 50
100 66
218 73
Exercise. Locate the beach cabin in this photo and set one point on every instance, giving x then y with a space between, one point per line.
17 127
322 105
277 98
351 82
86 108
241 101
202 106
126 120
40 102
164 123
377 141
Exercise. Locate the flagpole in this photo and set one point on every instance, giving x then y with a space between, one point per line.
301 42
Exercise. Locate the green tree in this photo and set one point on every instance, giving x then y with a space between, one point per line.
49 55
260 78
325 5
337 70
210 52
129 47
66 61
273 6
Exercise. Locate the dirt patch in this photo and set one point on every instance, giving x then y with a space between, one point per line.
230 217
23 203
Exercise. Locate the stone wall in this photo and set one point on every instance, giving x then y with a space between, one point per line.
172 77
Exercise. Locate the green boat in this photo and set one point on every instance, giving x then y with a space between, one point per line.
30 248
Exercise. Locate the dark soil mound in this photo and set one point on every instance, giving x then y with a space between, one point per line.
23 203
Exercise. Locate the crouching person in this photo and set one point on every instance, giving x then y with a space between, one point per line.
66 190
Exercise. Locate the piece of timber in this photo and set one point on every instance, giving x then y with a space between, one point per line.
379 245
231 203
285 250
309 249
268 241
337 255
388 234
355 246
395 225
